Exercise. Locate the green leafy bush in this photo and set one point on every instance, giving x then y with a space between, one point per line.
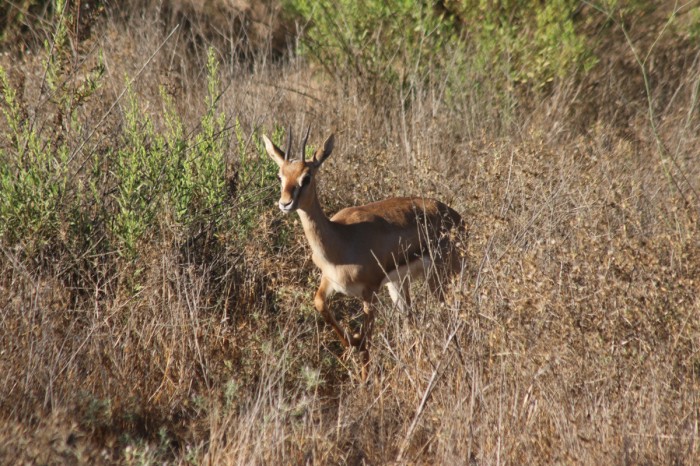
693 23
256 178
169 174
390 41
34 161
537 40
401 41
59 189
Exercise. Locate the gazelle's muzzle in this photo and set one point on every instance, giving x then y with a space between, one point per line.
289 201
287 206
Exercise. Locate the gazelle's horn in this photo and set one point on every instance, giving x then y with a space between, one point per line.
303 144
288 151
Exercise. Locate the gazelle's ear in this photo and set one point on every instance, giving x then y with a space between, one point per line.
273 151
322 153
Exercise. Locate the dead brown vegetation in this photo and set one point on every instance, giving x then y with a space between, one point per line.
572 336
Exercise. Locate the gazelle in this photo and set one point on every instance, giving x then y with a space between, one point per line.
360 249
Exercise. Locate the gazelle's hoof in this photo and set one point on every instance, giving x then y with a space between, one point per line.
356 340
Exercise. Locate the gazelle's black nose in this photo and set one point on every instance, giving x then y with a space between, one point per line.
286 206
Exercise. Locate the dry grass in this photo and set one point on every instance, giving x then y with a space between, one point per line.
572 335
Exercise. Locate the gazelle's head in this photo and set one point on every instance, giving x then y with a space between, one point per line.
297 174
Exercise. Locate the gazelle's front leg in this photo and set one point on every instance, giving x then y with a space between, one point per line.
362 339
365 337
324 289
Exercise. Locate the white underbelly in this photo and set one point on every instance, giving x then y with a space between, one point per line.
355 290
414 269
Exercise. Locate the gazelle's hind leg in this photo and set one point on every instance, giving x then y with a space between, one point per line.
398 281
399 291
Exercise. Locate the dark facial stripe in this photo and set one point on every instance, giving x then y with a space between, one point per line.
298 188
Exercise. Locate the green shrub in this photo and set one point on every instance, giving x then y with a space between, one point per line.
537 40
33 175
389 41
169 174
34 162
204 167
255 178
139 166
58 188
692 25
402 41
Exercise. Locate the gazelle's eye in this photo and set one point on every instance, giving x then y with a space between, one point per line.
306 180
279 177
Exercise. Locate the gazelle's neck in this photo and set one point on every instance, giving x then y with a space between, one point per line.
319 230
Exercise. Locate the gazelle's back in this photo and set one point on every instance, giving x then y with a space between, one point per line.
402 211
425 226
